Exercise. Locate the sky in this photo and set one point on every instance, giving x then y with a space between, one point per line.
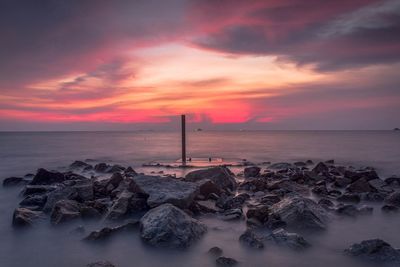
229 65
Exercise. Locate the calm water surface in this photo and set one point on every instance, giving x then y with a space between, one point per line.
47 246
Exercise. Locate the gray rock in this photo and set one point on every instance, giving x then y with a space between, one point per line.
300 213
232 214
168 226
253 171
280 166
23 217
250 239
120 207
260 213
61 193
215 251
291 240
167 190
360 186
84 190
14 181
45 177
34 201
368 174
107 232
342 182
38 189
208 187
320 168
221 176
375 250
225 262
393 199
64 211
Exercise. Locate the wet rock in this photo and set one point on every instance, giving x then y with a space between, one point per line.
215 252
14 181
84 190
208 187
130 172
342 182
232 214
289 186
80 165
101 264
320 190
225 262
253 171
167 190
349 198
393 199
116 168
250 239
392 181
64 211
34 201
259 212
23 217
326 203
360 186
300 213
168 226
331 161
254 184
107 232
221 176
309 162
61 193
374 250
320 168
45 177
203 207
291 240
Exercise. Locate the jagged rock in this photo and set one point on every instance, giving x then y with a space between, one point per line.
289 186
221 176
34 201
291 240
102 167
349 198
325 202
101 264
254 184
232 214
360 186
230 202
253 171
208 187
392 181
374 196
225 262
250 239
259 212
169 226
206 206
300 213
130 172
167 190
393 199
64 211
25 217
45 177
320 190
61 193
300 164
84 190
107 232
342 182
14 181
120 207
331 161
320 168
215 251
375 250
353 211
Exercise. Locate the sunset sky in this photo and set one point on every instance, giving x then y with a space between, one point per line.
228 64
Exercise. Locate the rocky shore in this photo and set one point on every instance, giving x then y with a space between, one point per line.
278 203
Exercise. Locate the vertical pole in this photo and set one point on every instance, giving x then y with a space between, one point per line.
183 126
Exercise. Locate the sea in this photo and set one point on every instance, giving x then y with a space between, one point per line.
48 246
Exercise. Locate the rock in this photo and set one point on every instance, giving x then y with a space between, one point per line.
102 167
259 212
23 217
360 186
107 232
270 199
101 264
167 190
390 209
61 193
221 176
38 189
300 213
393 199
208 187
45 177
309 162
80 165
14 181
232 214
250 239
325 202
130 172
331 161
120 207
253 171
206 206
34 201
320 168
320 190
374 196
347 210
168 226
342 182
230 202
225 262
349 198
280 166
84 190
374 250
64 211
368 174
116 168
291 240
365 210
289 186
392 181
300 164
215 252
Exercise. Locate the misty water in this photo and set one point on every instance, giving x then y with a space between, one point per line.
46 245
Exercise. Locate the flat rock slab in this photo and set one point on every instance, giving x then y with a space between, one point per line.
167 190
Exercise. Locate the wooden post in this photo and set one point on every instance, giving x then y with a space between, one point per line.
183 126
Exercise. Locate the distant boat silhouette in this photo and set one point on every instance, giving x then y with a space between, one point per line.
199 130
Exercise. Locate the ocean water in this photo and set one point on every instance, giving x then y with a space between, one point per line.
47 246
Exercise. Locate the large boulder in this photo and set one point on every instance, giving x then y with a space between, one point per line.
221 176
375 250
45 177
64 211
25 217
169 226
61 193
300 213
166 190
253 171
360 186
393 199
121 206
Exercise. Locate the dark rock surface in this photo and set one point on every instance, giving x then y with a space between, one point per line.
291 240
375 250
226 262
25 217
221 176
45 177
250 239
253 171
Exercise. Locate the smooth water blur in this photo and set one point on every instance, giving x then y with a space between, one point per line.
47 246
